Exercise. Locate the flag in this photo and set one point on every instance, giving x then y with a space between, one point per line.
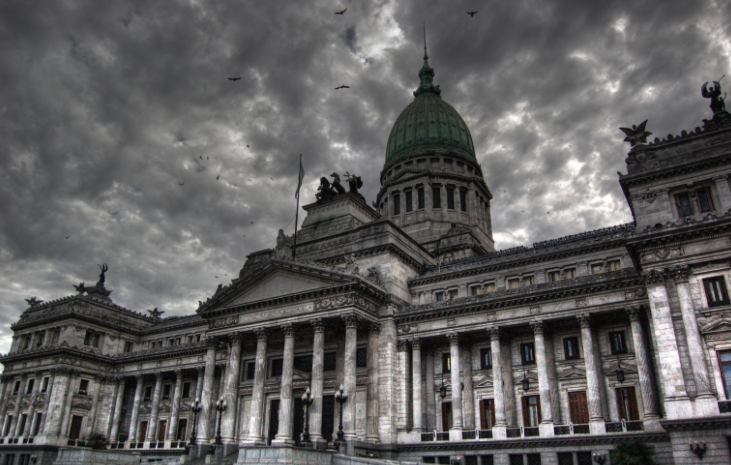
302 176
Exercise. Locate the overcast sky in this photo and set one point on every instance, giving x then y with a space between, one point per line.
106 107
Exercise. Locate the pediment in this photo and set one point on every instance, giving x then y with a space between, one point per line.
717 325
572 373
278 284
485 383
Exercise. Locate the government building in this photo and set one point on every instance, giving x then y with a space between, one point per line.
396 331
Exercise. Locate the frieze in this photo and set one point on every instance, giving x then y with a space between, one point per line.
635 293
408 328
83 402
345 301
275 313
232 320
661 254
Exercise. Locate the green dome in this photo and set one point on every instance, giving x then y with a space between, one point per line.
429 123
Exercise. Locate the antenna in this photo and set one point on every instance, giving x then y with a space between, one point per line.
426 57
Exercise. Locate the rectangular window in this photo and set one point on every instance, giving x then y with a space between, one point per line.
330 361
127 347
513 283
29 386
489 287
142 431
527 353
450 198
578 408
528 281
25 343
475 290
705 203
44 384
409 201
75 428
597 268
516 459
37 425
446 363
565 458
16 388
396 203
485 358
166 391
724 359
627 404
182 427
617 342
303 363
277 365
171 342
682 201
420 197
453 293
91 339
361 357
148 393
250 371
571 348
554 276
569 273
161 430
41 337
716 293
487 460
463 200
436 197
83 387
446 416
439 296
534 459
614 265
8 421
21 426
186 390
531 411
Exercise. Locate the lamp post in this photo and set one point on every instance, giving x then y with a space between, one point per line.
220 407
620 371
443 389
526 381
306 401
340 398
196 408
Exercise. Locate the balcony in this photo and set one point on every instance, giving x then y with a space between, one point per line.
724 406
570 430
624 426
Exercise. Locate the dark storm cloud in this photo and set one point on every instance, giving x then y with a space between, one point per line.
105 108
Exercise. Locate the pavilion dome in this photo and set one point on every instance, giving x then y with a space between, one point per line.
429 124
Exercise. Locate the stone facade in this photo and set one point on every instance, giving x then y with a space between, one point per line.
544 354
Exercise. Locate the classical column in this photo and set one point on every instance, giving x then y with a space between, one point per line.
649 416
430 394
199 382
32 408
16 411
705 403
403 385
316 385
351 341
468 397
417 398
230 390
286 402
154 408
257 395
677 403
91 419
455 434
67 406
596 416
372 387
136 409
175 407
117 416
544 386
207 392
387 382
498 388
56 402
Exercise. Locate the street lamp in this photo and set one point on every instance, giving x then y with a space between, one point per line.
340 398
526 381
620 371
220 407
443 389
196 408
306 401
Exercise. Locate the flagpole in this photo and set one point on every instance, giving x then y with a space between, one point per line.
296 218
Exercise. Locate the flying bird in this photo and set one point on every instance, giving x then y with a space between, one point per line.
472 13
201 157
271 178
207 158
218 177
341 12
216 277
249 180
244 236
67 237
247 146
234 79
548 213
342 87
252 222
181 184
225 275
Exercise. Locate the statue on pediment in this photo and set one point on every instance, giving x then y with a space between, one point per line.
718 104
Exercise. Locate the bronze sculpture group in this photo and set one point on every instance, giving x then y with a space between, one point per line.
328 189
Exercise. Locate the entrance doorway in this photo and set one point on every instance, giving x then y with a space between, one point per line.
273 420
578 408
627 404
446 416
328 417
75 430
182 427
299 420
142 434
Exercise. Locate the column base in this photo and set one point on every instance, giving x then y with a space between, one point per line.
598 426
318 443
651 424
678 407
706 405
546 429
285 441
455 435
500 432
253 442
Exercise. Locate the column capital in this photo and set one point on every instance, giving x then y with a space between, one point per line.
374 328
178 373
211 342
634 312
584 320
139 377
402 346
720 177
119 380
262 334
318 325
416 344
234 338
158 376
493 332
453 338
680 274
537 326
653 277
288 330
199 370
351 320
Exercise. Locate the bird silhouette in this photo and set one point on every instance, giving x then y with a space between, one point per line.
216 277
548 213
244 236
252 222
67 237
225 275
207 158
234 79
179 184
201 157
247 146
271 178
249 180
472 13
342 87
218 177
341 12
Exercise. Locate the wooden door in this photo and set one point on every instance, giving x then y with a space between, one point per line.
531 411
143 431
578 408
273 420
487 413
75 430
627 404
161 430
446 416
182 429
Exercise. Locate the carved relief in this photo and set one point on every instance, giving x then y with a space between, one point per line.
661 254
408 328
582 302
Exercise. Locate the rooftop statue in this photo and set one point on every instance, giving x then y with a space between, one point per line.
155 313
104 269
80 288
324 190
33 301
354 183
336 184
637 135
718 105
